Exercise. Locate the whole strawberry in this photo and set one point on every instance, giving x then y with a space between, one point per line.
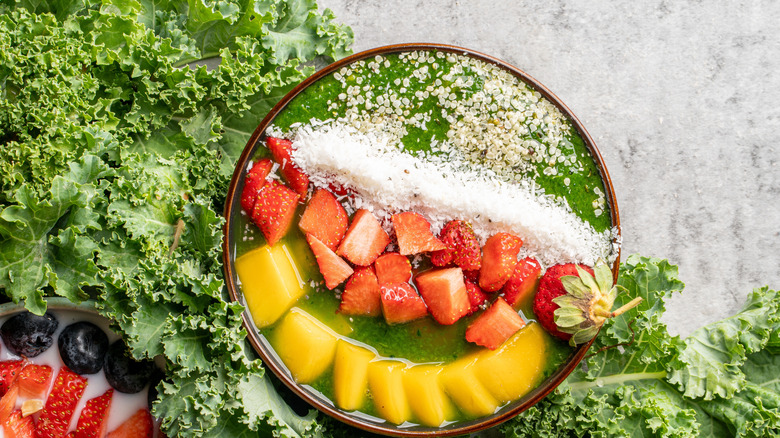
573 301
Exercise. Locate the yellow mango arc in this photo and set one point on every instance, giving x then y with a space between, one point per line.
429 404
350 375
460 383
269 281
516 367
305 345
385 380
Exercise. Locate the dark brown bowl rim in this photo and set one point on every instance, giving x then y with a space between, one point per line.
508 411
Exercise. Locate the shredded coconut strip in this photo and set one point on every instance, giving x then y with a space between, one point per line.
386 181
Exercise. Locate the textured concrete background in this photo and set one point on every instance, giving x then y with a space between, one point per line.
681 98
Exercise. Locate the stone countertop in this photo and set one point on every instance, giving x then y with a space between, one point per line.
681 99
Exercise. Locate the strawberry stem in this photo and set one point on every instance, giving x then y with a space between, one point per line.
628 306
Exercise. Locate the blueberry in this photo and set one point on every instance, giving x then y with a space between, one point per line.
83 347
123 372
27 334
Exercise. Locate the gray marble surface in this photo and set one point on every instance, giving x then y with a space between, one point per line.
681 98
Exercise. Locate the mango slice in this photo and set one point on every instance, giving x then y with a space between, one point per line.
385 381
429 404
269 281
460 383
350 375
516 367
305 345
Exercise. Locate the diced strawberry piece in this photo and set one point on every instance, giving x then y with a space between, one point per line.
414 234
281 149
495 325
365 239
444 292
401 303
18 426
523 281
93 420
138 426
274 210
392 267
324 218
332 267
361 294
471 276
477 297
63 399
8 403
499 257
34 380
9 371
254 180
462 247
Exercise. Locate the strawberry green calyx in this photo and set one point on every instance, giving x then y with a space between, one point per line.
588 303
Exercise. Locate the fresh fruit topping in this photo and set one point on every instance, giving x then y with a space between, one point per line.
477 297
8 402
281 149
495 325
93 420
31 406
123 372
27 334
414 234
365 239
324 218
499 257
255 179
573 301
83 347
63 399
471 276
332 267
34 380
138 426
401 303
462 247
444 292
522 282
9 371
361 294
274 210
392 267
19 426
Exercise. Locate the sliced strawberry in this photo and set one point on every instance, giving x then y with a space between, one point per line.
495 325
462 247
34 380
274 210
63 399
93 420
365 239
254 180
281 149
361 294
9 371
8 403
414 234
138 426
401 303
392 267
522 282
332 267
18 426
444 292
477 297
325 218
499 257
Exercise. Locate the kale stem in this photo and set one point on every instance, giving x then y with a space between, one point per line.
186 61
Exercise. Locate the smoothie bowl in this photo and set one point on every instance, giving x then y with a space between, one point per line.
397 227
